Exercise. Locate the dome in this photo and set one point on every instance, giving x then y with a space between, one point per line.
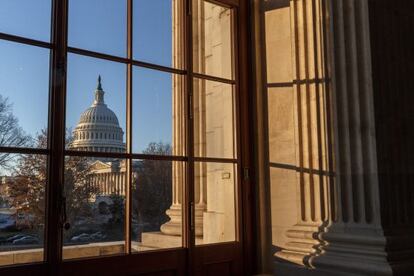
98 128
99 114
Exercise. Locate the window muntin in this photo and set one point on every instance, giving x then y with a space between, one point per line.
182 148
214 97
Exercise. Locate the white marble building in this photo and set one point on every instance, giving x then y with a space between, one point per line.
98 128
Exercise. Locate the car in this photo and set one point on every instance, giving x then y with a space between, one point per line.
98 236
81 238
15 237
26 240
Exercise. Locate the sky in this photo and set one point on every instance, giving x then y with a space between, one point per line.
97 25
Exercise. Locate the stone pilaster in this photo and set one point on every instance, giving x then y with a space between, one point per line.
174 225
353 241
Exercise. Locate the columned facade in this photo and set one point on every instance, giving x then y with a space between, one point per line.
339 129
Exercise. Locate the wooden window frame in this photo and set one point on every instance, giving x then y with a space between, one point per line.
56 152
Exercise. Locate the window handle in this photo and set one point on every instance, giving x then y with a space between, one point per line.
65 223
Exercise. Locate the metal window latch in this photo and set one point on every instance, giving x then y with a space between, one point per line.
65 223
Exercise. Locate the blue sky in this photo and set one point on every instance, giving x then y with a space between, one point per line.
97 25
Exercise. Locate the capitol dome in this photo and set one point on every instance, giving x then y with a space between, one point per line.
98 128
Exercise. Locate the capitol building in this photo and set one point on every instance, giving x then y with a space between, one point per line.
98 130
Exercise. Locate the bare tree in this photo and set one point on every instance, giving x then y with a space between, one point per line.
11 134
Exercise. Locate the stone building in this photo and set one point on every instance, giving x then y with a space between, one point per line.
98 130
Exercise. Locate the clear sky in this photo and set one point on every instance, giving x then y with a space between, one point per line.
97 25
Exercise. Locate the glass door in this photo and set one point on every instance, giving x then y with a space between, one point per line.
121 149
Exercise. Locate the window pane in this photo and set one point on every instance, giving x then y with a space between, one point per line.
24 86
22 208
26 18
214 116
96 103
95 207
212 39
156 204
98 25
158 36
215 216
158 109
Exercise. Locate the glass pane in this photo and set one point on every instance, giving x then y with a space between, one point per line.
22 208
26 18
157 190
95 207
214 119
98 25
212 39
96 103
215 216
158 36
24 93
158 112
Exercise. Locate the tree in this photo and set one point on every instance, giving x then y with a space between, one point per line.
28 182
152 188
11 134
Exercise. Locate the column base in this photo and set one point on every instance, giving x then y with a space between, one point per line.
360 252
173 227
302 243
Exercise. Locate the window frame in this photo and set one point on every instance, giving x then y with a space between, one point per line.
56 151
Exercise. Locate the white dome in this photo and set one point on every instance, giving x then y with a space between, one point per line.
98 128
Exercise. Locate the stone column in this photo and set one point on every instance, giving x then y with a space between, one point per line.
353 240
174 225
311 129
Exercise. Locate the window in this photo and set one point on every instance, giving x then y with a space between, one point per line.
132 133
